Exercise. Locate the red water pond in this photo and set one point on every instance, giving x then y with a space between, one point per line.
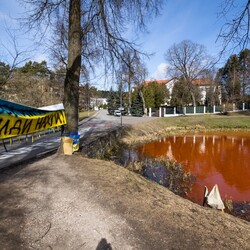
221 158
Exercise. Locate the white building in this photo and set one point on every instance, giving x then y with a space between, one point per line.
204 85
97 102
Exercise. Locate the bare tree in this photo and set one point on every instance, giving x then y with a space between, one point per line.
235 32
15 54
131 72
96 27
189 61
58 45
140 77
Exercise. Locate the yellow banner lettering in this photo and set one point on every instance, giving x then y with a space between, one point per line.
17 127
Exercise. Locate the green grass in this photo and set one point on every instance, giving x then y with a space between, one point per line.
210 121
85 114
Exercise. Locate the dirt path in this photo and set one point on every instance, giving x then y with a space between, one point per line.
73 202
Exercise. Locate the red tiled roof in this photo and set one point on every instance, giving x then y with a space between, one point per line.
202 81
199 81
158 81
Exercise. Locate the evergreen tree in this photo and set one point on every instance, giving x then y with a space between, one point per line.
113 101
4 73
148 94
229 77
160 94
35 69
244 60
155 94
137 105
180 94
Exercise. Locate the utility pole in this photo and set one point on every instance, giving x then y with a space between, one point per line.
121 108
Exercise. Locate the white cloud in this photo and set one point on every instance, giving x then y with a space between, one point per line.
160 72
41 57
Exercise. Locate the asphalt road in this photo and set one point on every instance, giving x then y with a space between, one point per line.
21 151
103 116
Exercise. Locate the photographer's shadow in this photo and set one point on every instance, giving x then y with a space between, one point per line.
103 245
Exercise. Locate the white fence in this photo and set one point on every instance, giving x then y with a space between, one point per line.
191 110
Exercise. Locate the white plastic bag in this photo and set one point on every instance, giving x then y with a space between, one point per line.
213 198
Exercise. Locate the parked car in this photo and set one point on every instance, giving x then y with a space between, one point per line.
117 113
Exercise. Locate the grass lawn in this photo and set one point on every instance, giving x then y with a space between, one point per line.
85 114
158 128
235 121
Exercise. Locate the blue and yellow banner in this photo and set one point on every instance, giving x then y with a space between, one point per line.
17 119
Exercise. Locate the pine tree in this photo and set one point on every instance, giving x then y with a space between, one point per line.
137 106
4 73
230 79
154 94
244 60
113 102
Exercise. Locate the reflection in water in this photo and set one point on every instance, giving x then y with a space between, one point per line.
213 159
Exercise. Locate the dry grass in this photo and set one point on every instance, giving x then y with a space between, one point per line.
85 114
159 128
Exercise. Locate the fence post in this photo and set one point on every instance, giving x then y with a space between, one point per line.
243 106
149 112
204 110
164 112
213 109
4 146
160 112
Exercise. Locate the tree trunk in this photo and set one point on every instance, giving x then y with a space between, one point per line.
143 100
191 90
193 99
129 94
71 83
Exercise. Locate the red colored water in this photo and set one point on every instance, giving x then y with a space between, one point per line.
222 159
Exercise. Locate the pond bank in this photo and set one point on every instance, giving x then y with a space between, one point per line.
154 131
157 129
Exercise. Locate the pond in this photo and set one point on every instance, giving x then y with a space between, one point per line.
221 158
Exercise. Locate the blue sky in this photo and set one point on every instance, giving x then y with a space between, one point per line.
195 20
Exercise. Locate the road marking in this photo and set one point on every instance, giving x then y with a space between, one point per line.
98 125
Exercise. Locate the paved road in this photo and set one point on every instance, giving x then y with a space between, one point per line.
21 151
103 116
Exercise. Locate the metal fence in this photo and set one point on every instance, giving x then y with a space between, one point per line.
170 111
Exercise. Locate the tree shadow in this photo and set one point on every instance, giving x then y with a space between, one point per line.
103 245
14 211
